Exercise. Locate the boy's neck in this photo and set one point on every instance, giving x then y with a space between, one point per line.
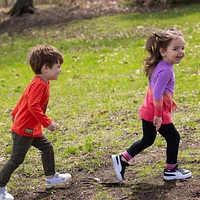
43 77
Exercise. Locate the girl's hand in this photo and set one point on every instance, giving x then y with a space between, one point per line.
157 121
51 127
174 105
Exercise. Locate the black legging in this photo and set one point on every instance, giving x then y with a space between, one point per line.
168 131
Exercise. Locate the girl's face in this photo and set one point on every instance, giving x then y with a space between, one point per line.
174 52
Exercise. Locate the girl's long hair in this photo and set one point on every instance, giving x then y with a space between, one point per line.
154 43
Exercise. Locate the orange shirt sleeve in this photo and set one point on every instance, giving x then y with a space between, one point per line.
37 101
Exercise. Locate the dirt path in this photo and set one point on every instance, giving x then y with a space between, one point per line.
60 14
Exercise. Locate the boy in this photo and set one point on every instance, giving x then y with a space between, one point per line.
29 116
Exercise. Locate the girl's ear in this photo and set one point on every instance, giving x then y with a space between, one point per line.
162 52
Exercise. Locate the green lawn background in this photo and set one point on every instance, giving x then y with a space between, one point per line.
101 88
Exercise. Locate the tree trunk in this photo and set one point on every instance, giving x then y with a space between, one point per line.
6 2
22 6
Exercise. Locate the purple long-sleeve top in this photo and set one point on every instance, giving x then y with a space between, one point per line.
159 98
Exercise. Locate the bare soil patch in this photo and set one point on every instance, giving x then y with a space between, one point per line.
58 14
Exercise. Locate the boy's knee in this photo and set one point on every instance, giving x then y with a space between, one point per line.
17 160
48 149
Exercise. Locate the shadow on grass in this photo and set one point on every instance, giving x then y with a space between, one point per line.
113 184
56 192
149 191
144 191
47 192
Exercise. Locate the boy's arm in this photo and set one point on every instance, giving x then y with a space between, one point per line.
51 127
35 98
14 111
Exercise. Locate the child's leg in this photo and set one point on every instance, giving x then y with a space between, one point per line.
149 136
172 172
20 147
47 154
120 160
172 137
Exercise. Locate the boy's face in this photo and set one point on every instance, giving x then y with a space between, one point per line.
52 73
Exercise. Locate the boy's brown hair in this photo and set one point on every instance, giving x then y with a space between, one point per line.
44 54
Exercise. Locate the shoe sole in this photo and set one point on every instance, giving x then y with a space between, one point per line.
61 182
117 167
170 178
7 198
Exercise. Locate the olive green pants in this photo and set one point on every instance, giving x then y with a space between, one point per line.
20 147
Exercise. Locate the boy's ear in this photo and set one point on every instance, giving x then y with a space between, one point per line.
44 68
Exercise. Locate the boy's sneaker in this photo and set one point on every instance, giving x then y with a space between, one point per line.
4 195
176 174
119 166
57 179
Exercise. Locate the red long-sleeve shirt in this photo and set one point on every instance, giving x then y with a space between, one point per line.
29 113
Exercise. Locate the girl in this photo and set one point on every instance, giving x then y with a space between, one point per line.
165 49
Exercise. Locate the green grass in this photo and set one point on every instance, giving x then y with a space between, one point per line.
102 85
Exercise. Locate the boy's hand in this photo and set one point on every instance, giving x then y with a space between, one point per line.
51 127
12 118
157 121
